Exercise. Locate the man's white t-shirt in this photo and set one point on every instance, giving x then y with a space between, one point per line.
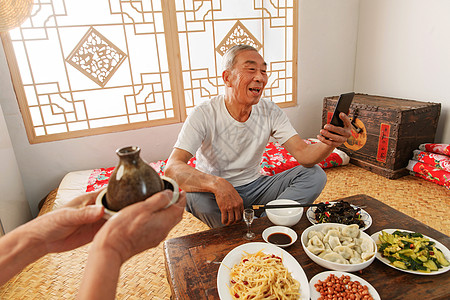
230 149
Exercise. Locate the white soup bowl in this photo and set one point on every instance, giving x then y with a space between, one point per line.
284 216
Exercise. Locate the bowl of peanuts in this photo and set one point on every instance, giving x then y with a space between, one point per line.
341 285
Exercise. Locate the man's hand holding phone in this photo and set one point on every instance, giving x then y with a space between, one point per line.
339 130
335 135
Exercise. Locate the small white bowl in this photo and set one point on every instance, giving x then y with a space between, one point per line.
169 183
284 216
333 265
279 229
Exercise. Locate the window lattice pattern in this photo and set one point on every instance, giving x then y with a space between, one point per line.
239 34
207 29
89 67
96 57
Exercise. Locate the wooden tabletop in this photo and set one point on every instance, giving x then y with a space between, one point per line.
192 273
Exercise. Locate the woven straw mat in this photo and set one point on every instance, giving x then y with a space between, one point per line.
58 276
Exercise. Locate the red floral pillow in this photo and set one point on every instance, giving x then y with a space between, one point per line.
276 159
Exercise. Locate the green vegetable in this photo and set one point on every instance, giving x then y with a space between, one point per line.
440 257
413 251
399 264
431 265
422 258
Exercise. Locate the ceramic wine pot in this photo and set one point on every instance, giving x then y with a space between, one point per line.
133 180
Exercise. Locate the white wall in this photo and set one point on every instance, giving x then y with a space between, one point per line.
404 51
327 50
14 209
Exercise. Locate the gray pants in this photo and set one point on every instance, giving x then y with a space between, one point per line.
301 184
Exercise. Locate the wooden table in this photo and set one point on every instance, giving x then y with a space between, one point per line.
192 273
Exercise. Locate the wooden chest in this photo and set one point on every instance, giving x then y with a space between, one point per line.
386 131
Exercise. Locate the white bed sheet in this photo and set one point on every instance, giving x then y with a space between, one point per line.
72 185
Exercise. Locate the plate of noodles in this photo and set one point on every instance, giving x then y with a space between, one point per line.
245 271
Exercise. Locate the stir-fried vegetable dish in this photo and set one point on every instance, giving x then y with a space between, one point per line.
340 212
413 251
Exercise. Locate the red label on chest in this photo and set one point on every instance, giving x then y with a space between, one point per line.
383 142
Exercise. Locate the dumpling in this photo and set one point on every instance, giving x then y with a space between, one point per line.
345 240
366 245
356 259
312 233
351 231
334 242
366 255
344 251
330 233
334 257
315 245
357 249
328 227
348 243
327 251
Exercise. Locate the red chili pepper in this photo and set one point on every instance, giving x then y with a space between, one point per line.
233 282
431 252
244 260
411 246
236 295
245 282
327 214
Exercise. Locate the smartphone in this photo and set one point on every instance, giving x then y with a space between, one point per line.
343 105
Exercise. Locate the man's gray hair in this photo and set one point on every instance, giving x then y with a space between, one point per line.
229 58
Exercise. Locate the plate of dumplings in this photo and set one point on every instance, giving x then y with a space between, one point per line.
339 247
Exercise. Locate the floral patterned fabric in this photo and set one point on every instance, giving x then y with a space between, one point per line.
436 160
275 159
432 162
430 173
436 148
99 178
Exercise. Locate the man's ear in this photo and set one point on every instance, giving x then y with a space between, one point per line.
226 78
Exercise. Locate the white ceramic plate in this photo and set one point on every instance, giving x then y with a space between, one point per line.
438 245
234 257
311 215
324 275
279 229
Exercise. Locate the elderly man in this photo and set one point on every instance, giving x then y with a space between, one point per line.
228 135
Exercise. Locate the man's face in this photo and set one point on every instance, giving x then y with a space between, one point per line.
248 77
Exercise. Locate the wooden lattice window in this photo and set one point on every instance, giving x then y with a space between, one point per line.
88 67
